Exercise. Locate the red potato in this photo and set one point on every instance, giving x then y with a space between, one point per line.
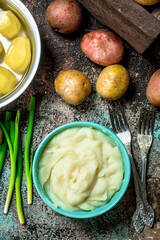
102 47
65 16
153 89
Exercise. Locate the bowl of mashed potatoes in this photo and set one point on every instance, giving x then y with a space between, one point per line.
81 169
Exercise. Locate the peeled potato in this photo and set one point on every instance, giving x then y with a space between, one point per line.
1 48
73 86
7 81
113 82
18 55
9 24
147 2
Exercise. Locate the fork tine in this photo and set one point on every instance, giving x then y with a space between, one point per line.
152 120
117 122
112 119
144 121
125 124
121 122
148 119
119 117
140 120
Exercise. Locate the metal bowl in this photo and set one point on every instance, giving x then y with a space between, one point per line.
31 30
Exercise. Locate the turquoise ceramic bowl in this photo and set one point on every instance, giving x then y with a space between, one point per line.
114 200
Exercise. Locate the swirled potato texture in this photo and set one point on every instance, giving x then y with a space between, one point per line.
81 169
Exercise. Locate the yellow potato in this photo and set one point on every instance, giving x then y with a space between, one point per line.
73 86
7 81
1 48
18 55
147 2
113 82
9 24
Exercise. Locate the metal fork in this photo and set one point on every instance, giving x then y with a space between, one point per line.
145 212
144 139
145 136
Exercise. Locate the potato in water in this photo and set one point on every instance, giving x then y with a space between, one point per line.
113 82
9 24
18 55
73 86
7 81
1 48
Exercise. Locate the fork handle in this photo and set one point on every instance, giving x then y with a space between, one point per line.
144 209
144 170
139 187
137 181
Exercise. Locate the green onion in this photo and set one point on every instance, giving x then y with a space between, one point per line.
19 174
18 185
28 165
12 132
3 146
13 155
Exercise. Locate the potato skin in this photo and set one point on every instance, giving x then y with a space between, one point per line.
102 47
64 15
147 2
73 86
113 82
153 89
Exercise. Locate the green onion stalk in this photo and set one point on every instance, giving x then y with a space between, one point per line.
28 164
3 146
19 174
13 155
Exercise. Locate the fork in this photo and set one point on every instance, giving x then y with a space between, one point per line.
144 139
144 214
145 136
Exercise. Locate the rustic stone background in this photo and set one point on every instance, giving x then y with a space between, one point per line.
63 52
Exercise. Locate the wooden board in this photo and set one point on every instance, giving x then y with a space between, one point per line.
156 13
127 18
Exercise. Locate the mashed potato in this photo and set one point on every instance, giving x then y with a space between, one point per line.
81 169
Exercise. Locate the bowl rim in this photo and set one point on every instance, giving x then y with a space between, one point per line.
102 209
36 37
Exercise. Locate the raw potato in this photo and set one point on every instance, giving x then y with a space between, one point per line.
102 47
153 89
113 82
10 25
64 15
7 80
147 2
73 86
1 48
18 55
